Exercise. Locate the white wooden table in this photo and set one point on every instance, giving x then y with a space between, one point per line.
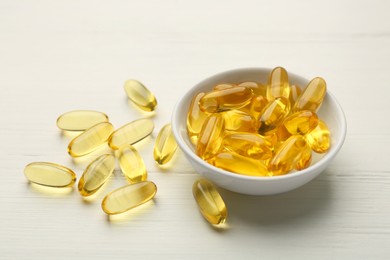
57 56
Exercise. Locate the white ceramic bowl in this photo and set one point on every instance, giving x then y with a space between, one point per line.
330 111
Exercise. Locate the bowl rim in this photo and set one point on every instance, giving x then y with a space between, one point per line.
183 101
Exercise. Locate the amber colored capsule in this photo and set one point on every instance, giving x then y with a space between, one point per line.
319 138
79 120
210 137
132 164
195 118
90 139
209 201
128 197
257 88
49 174
233 162
165 146
301 122
278 85
236 120
305 159
295 92
225 99
312 96
287 155
255 107
249 145
223 86
273 113
131 133
96 174
140 95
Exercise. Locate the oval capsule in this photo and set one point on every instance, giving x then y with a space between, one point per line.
96 174
257 88
210 137
165 145
301 122
140 95
278 85
295 92
128 197
273 113
239 121
90 139
209 201
319 138
312 96
80 120
49 174
195 118
132 164
131 133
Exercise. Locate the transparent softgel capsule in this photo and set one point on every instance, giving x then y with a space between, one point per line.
49 174
140 95
165 145
80 120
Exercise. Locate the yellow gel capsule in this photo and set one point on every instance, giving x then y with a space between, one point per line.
257 88
90 139
305 159
301 122
273 113
209 201
96 174
236 163
319 138
132 164
225 99
131 133
210 137
295 92
195 118
278 85
165 146
79 120
287 155
312 96
49 174
140 95
249 145
255 107
128 197
236 120
223 86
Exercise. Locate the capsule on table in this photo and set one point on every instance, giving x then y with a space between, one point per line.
140 95
131 133
128 197
225 99
195 118
210 137
90 139
278 84
295 92
312 96
209 201
249 145
233 162
305 158
96 174
287 155
301 122
236 120
80 120
50 174
223 86
165 146
132 164
319 138
273 113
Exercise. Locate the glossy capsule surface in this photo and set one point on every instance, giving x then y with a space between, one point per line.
132 164
49 174
223 86
195 118
209 201
301 122
257 88
225 99
236 163
312 96
165 145
319 138
249 145
96 174
131 133
210 137
128 197
273 113
305 158
90 139
295 92
236 120
278 85
140 95
80 120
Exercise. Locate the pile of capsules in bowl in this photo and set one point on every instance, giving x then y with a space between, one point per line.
259 129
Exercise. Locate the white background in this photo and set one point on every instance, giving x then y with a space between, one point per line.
57 56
